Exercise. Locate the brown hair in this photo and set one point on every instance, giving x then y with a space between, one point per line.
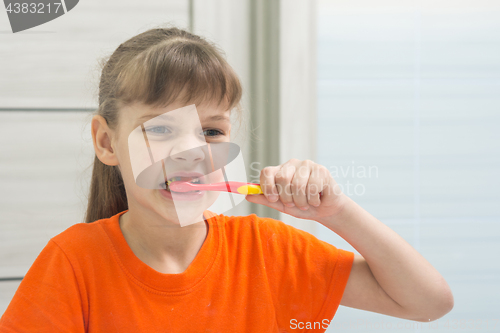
155 68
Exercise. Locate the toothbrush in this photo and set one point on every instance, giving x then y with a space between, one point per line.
233 187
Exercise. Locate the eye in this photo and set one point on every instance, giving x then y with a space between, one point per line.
157 130
212 132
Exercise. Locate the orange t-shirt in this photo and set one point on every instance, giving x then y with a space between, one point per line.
251 274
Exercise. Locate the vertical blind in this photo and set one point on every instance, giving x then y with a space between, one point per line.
408 124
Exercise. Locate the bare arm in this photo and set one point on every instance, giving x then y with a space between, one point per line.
390 276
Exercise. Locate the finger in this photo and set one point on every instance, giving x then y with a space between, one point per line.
331 191
317 182
299 184
283 180
262 200
267 183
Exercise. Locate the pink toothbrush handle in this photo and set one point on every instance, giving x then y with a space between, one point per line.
224 187
181 186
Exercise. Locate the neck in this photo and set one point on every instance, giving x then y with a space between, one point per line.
161 244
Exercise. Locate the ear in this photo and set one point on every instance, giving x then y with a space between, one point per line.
101 136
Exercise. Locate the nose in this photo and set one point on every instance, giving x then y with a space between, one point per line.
188 150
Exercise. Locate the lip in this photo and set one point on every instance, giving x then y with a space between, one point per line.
192 196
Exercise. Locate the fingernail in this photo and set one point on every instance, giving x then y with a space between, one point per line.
315 205
291 204
304 208
272 197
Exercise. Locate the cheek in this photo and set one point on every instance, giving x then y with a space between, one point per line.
126 168
135 154
127 165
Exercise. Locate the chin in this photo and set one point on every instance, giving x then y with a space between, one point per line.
181 213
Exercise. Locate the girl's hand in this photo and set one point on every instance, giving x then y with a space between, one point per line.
294 188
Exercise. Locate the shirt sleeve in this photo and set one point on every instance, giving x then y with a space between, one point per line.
48 298
307 276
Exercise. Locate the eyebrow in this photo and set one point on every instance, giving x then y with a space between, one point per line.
166 116
149 116
218 117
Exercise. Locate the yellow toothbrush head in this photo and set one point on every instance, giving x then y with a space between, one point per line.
250 189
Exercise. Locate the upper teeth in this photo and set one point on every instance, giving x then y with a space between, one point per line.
194 180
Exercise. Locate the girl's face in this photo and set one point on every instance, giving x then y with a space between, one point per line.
150 145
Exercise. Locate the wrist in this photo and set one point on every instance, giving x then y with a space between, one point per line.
340 206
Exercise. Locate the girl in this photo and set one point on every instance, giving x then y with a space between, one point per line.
132 268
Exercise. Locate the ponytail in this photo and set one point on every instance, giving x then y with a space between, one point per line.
107 195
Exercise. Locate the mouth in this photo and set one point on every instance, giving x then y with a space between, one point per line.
194 178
